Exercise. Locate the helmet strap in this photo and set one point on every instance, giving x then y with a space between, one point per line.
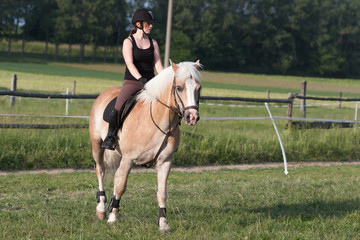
141 27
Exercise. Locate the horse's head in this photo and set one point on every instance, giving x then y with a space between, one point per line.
186 89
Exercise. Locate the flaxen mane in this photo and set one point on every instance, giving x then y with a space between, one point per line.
154 88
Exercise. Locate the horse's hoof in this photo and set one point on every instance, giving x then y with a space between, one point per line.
112 218
101 215
163 226
164 230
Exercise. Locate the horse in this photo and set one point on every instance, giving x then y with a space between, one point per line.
149 135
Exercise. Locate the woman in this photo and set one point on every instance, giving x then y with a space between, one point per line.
141 54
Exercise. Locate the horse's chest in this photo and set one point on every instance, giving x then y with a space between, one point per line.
154 153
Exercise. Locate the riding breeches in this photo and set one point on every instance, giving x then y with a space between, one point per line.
129 88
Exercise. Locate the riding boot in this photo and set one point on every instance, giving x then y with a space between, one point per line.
109 141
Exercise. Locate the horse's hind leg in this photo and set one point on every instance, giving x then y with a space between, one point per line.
120 181
163 170
98 154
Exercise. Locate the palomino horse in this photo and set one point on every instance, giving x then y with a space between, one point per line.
150 135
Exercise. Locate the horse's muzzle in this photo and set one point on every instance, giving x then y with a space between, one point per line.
191 116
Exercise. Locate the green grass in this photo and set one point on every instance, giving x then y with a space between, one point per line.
89 77
211 142
310 203
57 70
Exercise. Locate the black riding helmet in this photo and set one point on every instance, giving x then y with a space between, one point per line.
142 15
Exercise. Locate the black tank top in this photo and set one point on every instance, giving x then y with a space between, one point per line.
143 60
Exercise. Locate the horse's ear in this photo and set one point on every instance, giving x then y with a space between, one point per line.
197 65
174 66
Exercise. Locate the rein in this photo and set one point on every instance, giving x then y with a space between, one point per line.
170 131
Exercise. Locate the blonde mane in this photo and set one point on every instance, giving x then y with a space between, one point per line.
156 87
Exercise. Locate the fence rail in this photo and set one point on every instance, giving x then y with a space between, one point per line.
93 96
328 98
42 126
289 101
262 100
47 95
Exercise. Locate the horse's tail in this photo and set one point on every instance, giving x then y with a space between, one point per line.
112 160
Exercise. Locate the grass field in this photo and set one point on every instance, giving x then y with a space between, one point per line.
227 142
310 203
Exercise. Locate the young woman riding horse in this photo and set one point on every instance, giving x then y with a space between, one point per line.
141 54
149 135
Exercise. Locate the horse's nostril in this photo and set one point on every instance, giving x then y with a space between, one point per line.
188 118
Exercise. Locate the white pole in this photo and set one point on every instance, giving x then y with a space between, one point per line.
356 110
67 103
281 144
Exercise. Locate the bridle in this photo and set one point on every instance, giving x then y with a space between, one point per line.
170 131
177 108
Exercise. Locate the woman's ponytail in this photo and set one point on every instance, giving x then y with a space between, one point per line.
133 31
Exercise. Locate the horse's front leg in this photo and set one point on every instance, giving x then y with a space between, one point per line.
163 170
120 181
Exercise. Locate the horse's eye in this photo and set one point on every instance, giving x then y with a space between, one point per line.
179 88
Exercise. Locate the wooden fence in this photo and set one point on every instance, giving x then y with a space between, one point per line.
290 101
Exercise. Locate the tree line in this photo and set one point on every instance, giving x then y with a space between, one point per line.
299 37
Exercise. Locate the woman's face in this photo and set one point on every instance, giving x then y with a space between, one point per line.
147 27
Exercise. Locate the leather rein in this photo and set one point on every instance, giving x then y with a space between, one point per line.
170 131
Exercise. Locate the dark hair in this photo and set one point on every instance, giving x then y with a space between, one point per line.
133 31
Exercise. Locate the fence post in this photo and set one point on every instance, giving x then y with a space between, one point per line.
303 101
356 111
67 103
290 108
268 93
340 96
13 88
73 88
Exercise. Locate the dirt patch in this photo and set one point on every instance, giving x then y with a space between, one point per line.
291 165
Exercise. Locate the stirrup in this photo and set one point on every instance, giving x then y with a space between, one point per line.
109 143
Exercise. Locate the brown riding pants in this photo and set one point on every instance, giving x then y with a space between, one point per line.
129 88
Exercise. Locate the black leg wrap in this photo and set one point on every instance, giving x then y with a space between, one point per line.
113 204
162 213
100 194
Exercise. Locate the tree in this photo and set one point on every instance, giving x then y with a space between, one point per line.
8 16
67 23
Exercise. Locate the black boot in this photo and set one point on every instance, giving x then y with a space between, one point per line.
109 141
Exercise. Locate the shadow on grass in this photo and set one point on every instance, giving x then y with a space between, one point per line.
311 210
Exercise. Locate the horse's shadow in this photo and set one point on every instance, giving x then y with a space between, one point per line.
310 210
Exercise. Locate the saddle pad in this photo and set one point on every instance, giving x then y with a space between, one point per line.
124 112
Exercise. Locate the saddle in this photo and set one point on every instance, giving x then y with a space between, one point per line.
124 111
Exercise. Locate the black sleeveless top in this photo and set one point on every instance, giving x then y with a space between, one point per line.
143 60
